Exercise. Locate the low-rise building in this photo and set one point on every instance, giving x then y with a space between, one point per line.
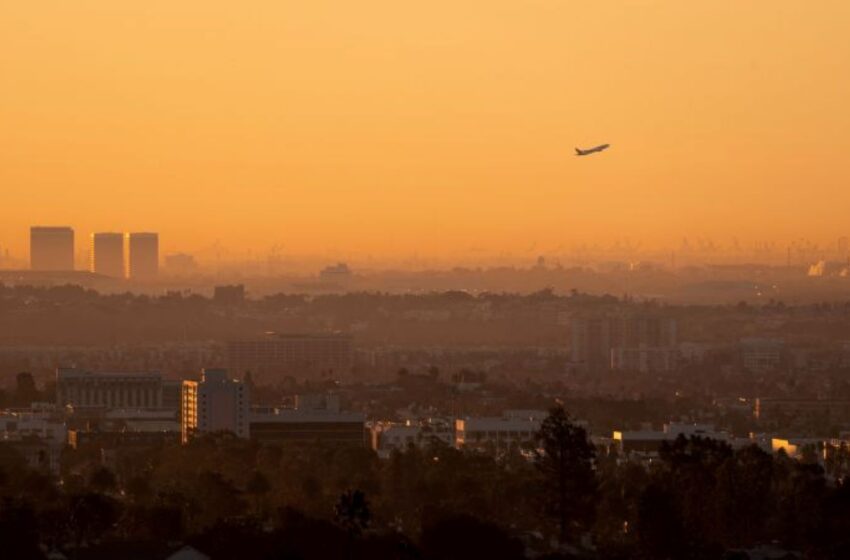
389 436
512 429
37 433
647 442
773 409
313 419
81 388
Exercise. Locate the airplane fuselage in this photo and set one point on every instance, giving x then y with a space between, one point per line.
587 152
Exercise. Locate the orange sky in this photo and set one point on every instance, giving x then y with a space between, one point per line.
390 127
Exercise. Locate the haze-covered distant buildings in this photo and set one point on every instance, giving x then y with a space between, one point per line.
229 295
336 273
761 354
143 257
107 254
623 341
180 264
51 248
111 254
274 354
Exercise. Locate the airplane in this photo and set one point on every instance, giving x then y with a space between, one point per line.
589 151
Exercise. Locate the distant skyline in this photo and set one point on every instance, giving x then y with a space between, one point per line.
688 251
446 130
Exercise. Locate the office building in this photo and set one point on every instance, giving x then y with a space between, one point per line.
314 419
107 254
51 248
143 258
84 389
336 273
275 355
180 264
217 403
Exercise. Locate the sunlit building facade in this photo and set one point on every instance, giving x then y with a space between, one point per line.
216 403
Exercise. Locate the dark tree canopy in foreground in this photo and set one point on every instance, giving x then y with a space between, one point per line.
233 498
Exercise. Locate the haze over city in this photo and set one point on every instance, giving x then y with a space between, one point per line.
389 130
539 280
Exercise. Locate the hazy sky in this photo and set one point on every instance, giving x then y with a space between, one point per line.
388 127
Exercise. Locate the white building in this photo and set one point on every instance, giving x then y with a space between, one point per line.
38 433
389 436
217 403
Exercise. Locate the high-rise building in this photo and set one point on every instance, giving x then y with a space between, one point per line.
217 403
51 248
144 255
107 254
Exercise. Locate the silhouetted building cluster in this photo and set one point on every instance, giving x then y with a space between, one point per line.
116 255
51 248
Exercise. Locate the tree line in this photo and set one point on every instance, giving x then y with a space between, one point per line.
562 498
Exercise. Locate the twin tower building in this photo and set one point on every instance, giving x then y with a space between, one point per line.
117 255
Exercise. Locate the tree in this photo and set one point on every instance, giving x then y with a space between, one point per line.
25 389
660 531
258 487
565 463
352 512
18 531
103 480
463 536
91 516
